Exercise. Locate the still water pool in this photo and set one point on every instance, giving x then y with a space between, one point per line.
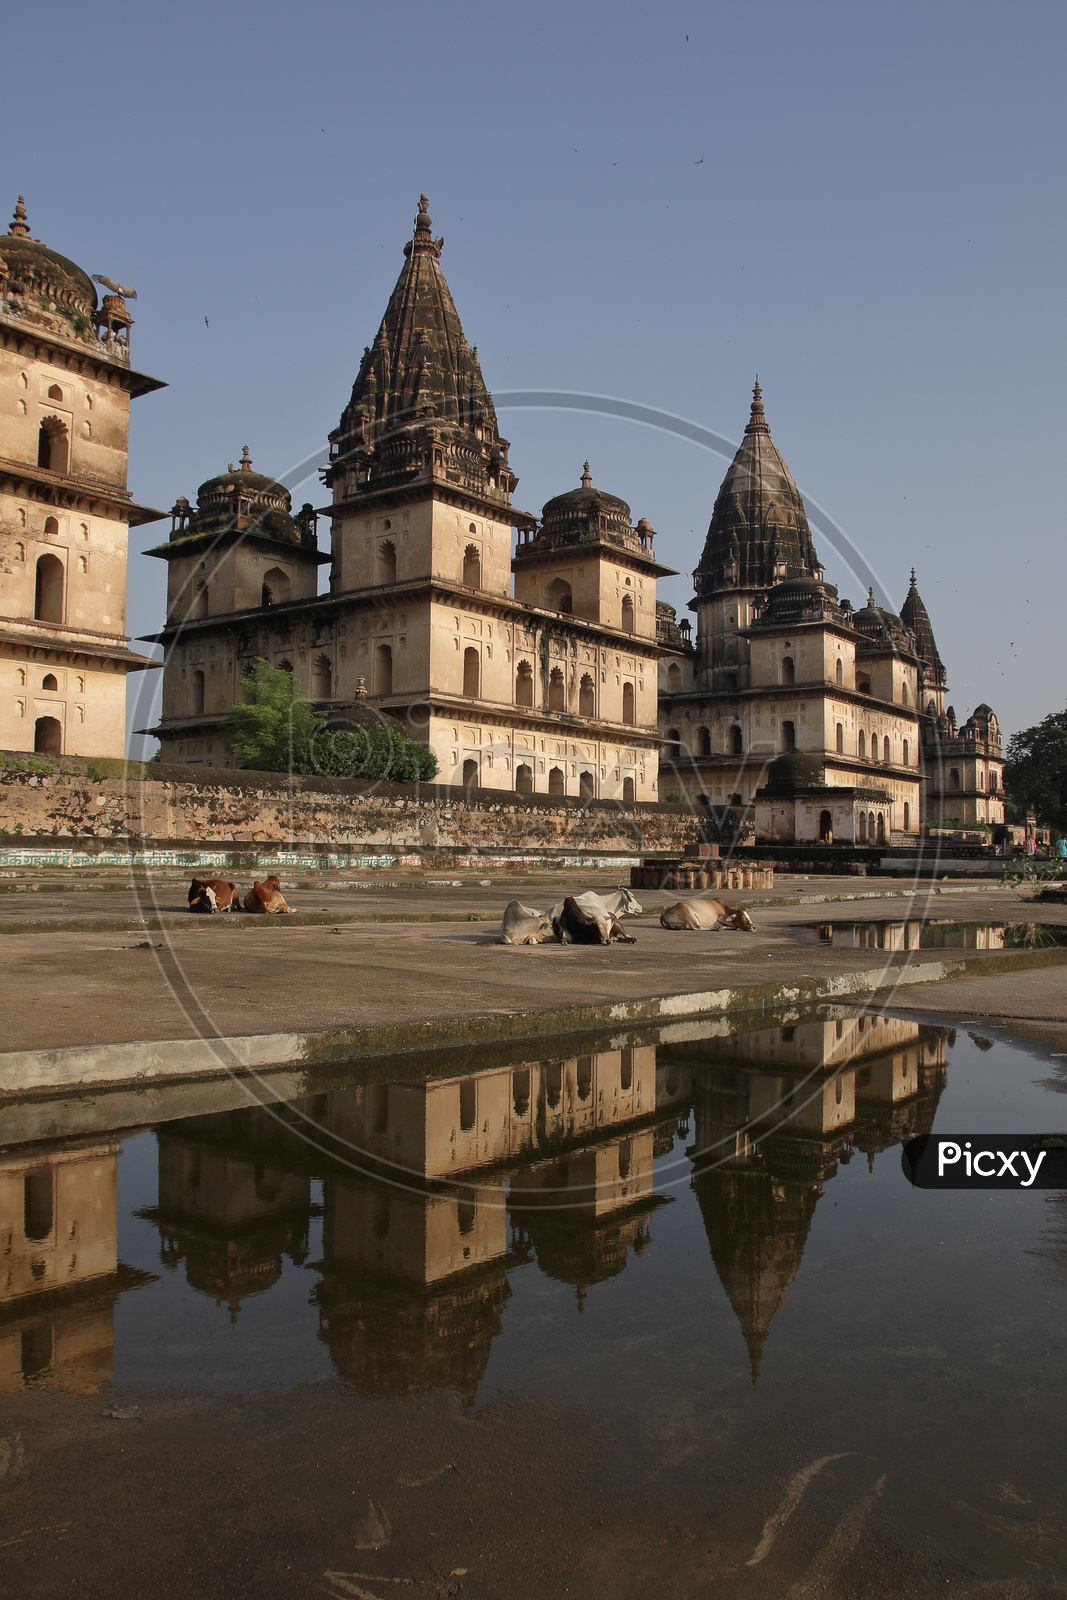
706 1241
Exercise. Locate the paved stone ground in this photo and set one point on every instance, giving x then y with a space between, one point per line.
80 984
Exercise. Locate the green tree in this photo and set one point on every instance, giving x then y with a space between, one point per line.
372 753
1035 771
272 728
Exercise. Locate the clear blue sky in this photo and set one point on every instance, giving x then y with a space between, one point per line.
864 203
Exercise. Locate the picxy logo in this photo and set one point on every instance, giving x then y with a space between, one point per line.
986 1161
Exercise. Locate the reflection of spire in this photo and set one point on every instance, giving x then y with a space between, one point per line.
580 1296
757 1226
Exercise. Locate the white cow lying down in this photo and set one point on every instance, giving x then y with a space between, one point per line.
611 903
703 914
521 925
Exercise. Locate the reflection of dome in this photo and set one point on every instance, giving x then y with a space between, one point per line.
586 513
54 286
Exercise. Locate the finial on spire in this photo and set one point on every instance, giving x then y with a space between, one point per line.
423 222
587 482
913 577
757 396
870 595
20 228
246 459
757 422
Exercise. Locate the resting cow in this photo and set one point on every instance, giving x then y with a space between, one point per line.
703 914
520 925
207 895
266 897
576 924
611 903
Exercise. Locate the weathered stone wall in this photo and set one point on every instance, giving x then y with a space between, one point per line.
83 806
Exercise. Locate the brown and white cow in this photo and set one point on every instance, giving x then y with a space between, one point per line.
208 895
704 914
266 898
576 924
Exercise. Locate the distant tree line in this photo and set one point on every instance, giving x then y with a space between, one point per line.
275 728
1035 772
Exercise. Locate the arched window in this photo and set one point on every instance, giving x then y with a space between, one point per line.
861 828
954 778
583 1076
673 745
524 684
840 672
524 783
472 673
907 816
903 694
556 781
385 562
557 690
994 782
51 526
276 587
586 697
826 827
864 685
674 678
321 679
48 736
861 745
840 738
628 614
629 792
737 741
704 741
472 567
789 670
196 696
285 665
626 1071
981 780
629 703
789 737
587 785
887 753
38 1209
383 669
881 827
49 682
558 596
52 445
470 773
906 753
54 392
48 591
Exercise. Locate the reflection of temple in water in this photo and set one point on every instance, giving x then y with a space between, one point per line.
915 933
778 1111
435 1190
230 1205
59 1270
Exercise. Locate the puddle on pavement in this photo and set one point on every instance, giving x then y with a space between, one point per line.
930 933
705 1240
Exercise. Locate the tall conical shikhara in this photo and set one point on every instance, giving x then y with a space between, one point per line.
916 619
419 406
759 529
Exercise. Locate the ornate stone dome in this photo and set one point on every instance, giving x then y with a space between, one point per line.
41 284
587 513
759 530
801 600
883 628
241 500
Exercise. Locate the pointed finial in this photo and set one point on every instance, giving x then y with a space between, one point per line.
20 228
870 595
587 482
757 422
423 222
913 577
757 397
246 459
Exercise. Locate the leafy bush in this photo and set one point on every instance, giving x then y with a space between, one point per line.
277 729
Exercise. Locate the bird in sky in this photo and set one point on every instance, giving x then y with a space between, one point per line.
206 323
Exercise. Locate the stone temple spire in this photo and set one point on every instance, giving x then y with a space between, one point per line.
421 376
20 228
759 525
916 619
